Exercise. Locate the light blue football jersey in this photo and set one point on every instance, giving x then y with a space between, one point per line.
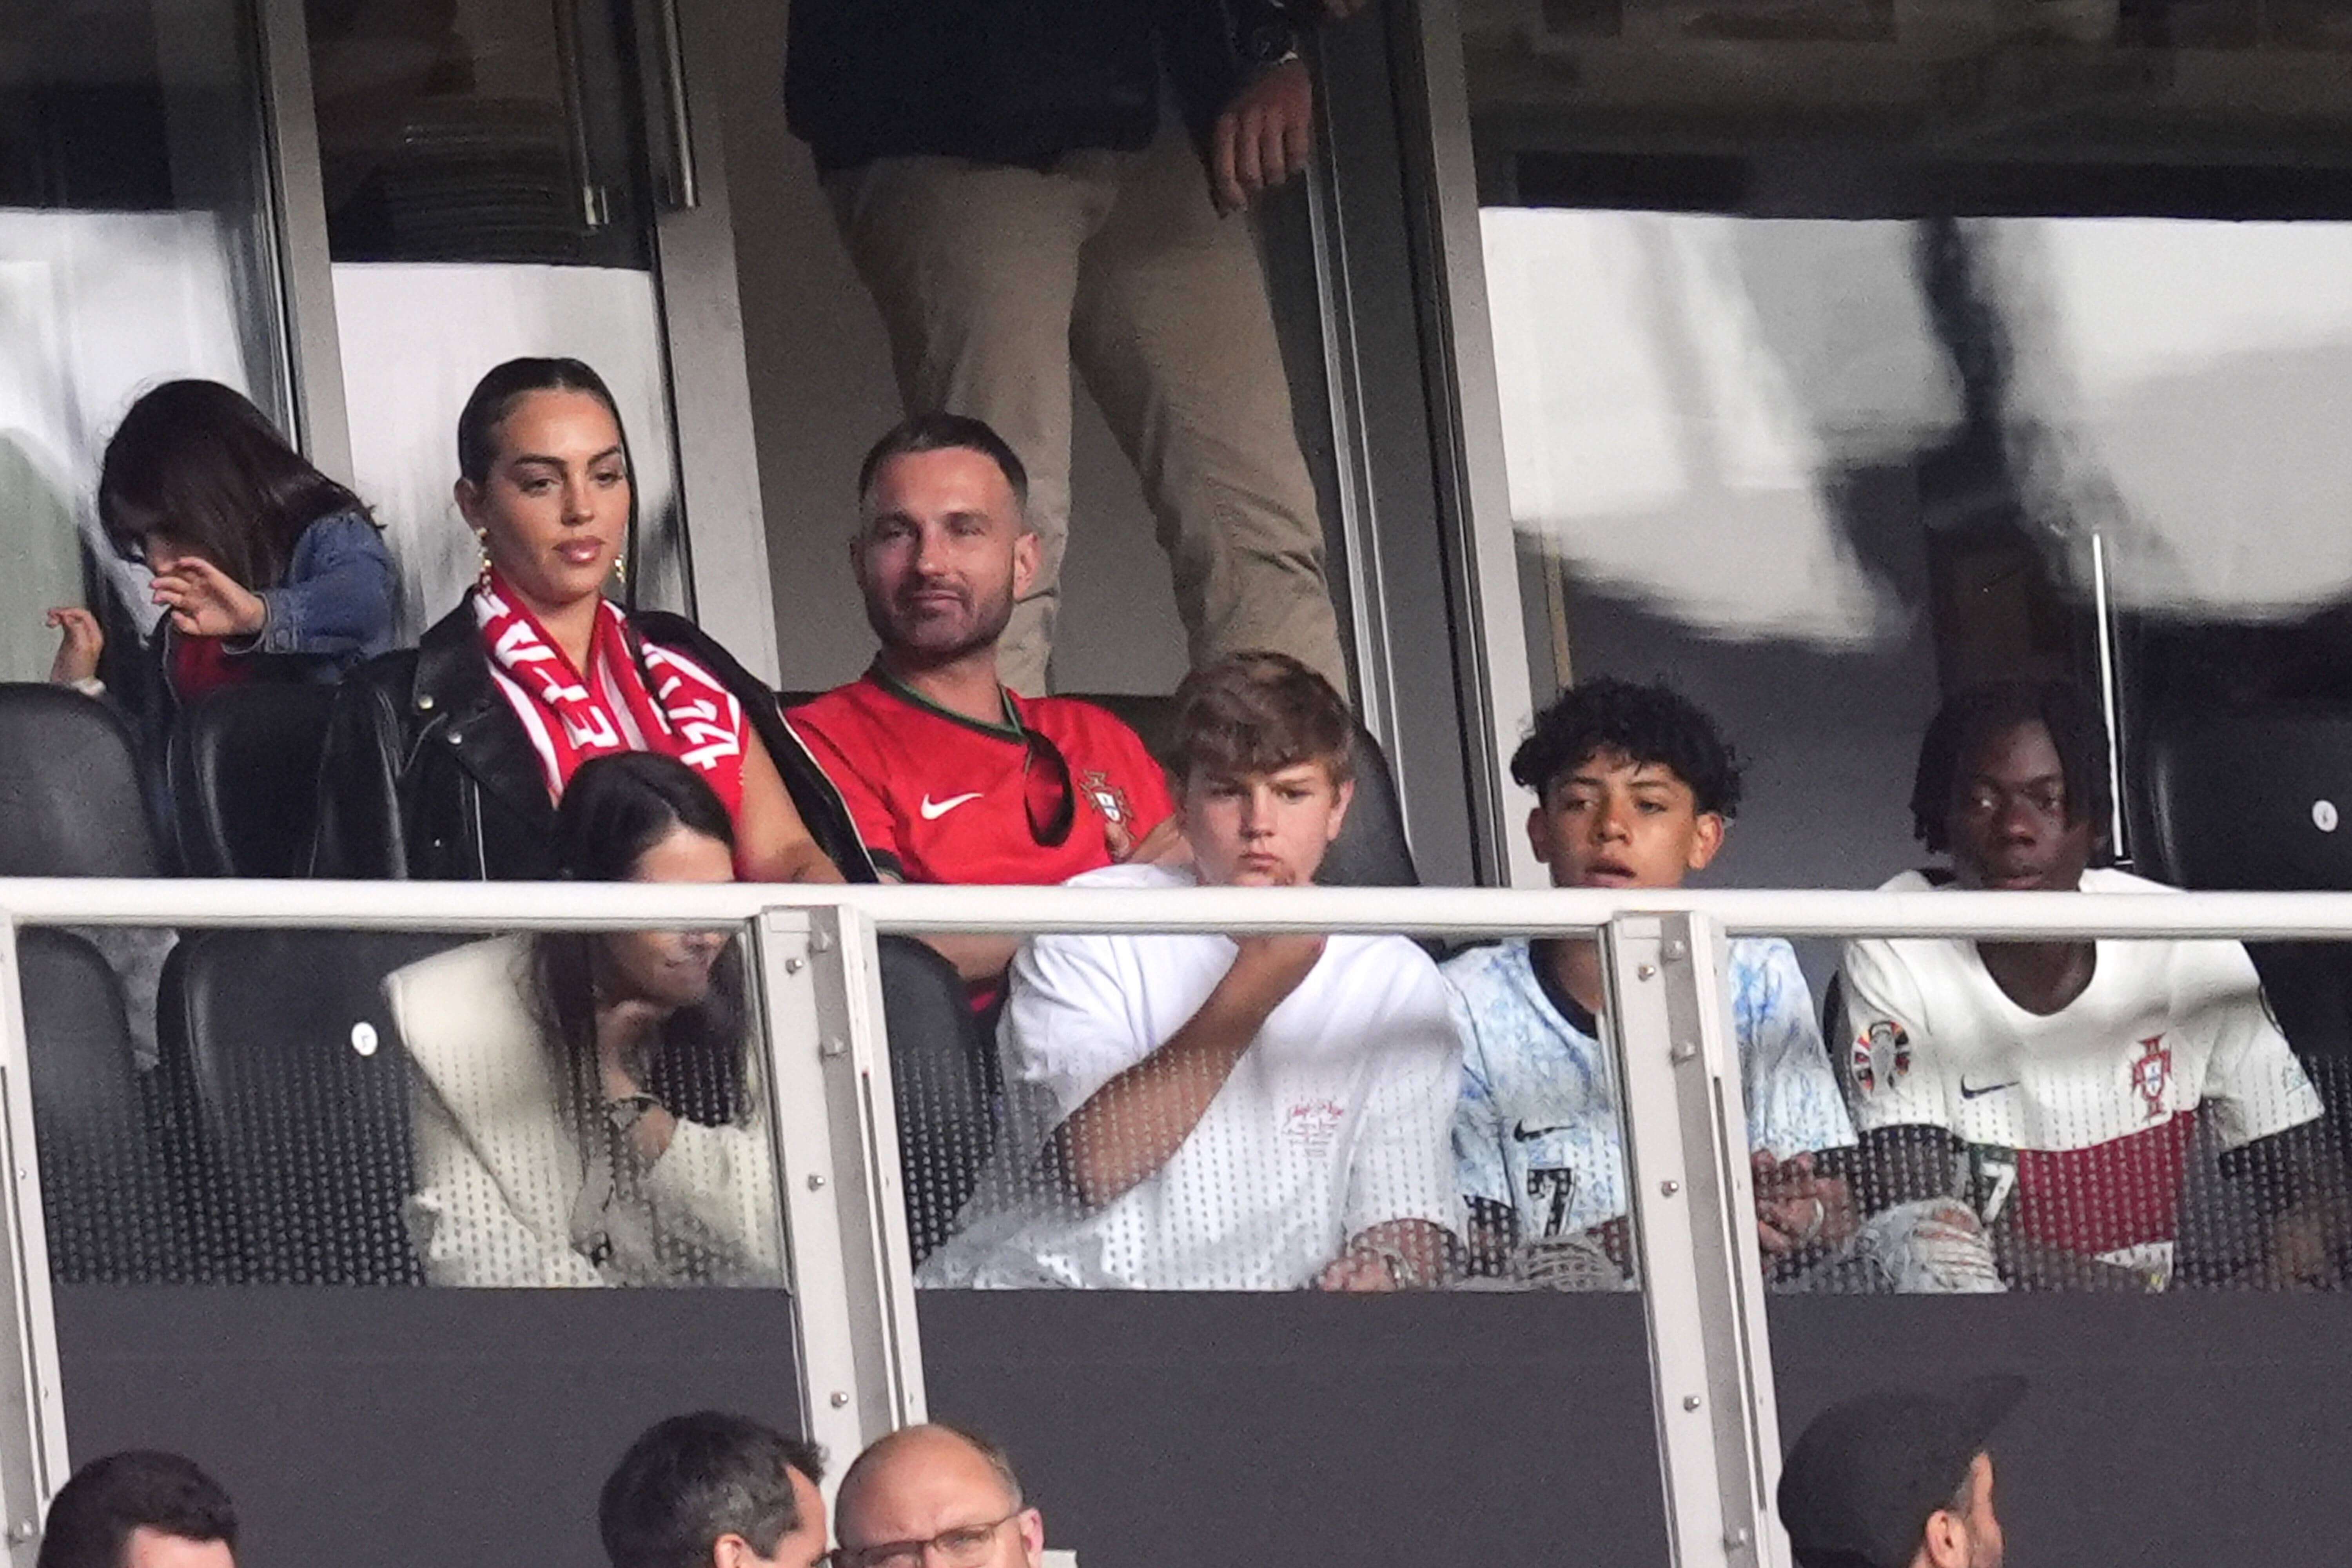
1539 1126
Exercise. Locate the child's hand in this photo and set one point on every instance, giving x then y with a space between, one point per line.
207 602
80 642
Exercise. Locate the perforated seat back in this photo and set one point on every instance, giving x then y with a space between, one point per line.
2259 800
113 1216
2262 800
942 1065
291 1090
244 770
70 802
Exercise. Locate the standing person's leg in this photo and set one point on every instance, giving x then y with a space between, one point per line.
974 268
1174 336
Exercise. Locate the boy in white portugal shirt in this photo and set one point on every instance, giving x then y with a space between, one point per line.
2055 1086
1191 1112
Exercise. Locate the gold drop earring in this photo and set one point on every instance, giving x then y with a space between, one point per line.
482 577
620 570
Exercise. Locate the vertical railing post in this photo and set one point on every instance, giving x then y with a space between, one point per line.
33 1457
1695 1230
837 1158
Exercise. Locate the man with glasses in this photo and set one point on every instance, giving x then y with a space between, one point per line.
950 775
936 1496
714 1490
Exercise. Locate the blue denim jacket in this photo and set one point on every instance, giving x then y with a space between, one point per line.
336 604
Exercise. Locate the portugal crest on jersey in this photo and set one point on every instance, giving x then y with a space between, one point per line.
1109 798
1882 1056
2151 1073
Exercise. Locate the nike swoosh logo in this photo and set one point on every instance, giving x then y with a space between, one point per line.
1968 1093
934 809
1526 1134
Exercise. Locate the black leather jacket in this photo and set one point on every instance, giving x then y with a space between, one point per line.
1016 81
428 774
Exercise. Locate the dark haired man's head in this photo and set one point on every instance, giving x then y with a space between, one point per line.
1265 769
140 1510
936 1483
1633 785
2012 784
943 546
714 1490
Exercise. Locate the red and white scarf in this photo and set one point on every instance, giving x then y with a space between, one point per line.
668 704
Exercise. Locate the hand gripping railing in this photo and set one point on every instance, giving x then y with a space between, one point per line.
820 1006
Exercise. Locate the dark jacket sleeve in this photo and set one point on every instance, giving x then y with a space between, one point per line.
359 834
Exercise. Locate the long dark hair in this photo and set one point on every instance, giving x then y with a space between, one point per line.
494 397
192 460
614 810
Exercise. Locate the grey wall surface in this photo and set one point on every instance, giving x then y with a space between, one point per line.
468 1427
2197 1430
398 1429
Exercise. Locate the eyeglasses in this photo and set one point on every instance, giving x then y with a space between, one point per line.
965 1546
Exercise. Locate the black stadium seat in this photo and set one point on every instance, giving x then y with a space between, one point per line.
112 1215
290 1099
2261 800
939 1073
243 766
70 803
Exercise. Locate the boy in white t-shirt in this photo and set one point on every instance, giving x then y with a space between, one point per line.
2055 1086
1195 1112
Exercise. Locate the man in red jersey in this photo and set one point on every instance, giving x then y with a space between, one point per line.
951 776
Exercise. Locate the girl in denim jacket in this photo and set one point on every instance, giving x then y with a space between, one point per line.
266 568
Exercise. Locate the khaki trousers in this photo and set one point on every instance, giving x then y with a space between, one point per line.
994 282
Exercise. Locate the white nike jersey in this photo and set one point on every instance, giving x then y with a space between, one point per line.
2080 1118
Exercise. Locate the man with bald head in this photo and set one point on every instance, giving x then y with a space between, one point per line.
936 1493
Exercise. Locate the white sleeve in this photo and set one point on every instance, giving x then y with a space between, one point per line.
1886 1041
1071 1025
2254 1084
724 1178
1794 1106
1402 1163
462 1227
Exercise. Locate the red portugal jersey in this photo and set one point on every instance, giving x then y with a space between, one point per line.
942 798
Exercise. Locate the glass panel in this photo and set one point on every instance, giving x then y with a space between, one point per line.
399 1108
2159 1134
487 198
1225 1196
135 247
232 1123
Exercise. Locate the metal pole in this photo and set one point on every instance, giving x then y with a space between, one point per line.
838 1160
1694 1237
33 1458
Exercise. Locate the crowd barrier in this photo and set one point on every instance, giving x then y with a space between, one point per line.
523 1396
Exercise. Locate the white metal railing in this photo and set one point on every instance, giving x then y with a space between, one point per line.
820 1008
1456 912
